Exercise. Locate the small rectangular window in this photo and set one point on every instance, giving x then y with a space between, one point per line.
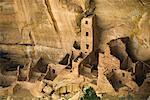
53 70
87 46
123 74
86 22
87 33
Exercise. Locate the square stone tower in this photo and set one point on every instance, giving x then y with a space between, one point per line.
87 34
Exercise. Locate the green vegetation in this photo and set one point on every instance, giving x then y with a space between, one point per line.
89 94
79 18
136 32
90 5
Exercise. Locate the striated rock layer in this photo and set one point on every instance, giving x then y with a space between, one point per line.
54 25
125 18
38 26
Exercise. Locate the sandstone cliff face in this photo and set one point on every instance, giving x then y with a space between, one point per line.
30 29
124 18
37 27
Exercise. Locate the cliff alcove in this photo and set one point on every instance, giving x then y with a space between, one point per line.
54 48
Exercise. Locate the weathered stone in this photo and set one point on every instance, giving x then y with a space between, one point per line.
76 96
63 90
103 84
125 18
126 79
107 61
48 89
145 87
53 71
23 24
55 96
87 68
76 87
69 88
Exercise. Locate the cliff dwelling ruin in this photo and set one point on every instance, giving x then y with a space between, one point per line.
54 49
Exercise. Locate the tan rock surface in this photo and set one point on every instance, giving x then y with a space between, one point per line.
52 24
47 29
120 18
47 24
47 89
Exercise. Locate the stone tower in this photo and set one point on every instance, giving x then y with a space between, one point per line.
87 34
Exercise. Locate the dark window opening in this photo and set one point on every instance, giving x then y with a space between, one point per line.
76 45
120 82
86 22
123 74
87 33
87 46
53 71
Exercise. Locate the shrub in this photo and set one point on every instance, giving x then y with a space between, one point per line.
89 94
